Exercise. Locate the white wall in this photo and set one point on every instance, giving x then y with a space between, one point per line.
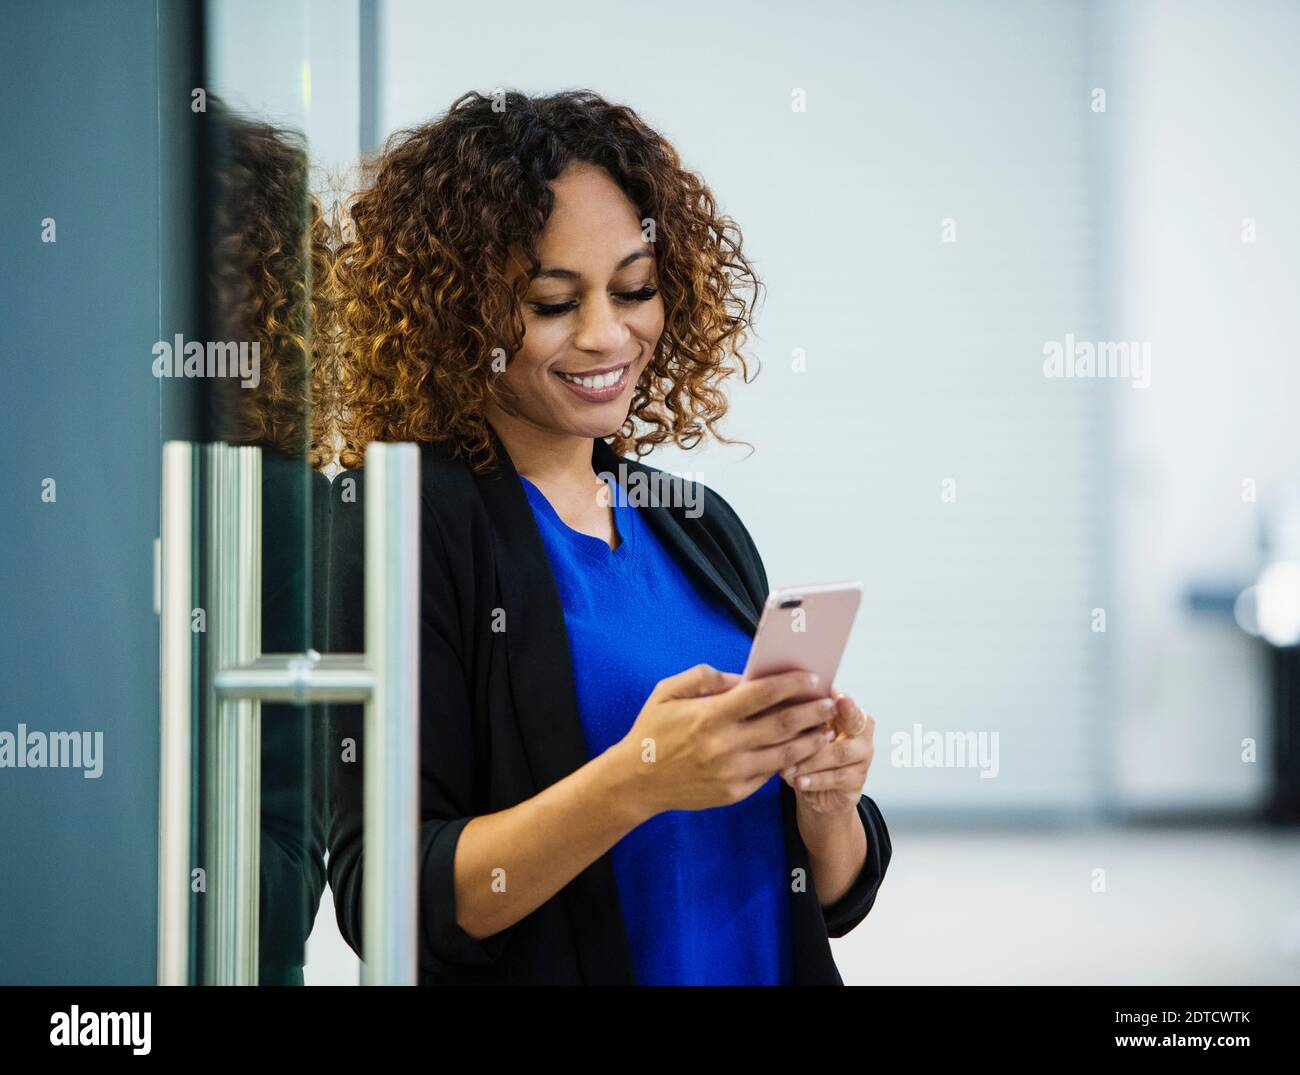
258 58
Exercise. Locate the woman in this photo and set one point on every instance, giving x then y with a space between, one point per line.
534 287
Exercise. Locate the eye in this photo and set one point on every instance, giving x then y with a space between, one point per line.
644 294
558 309
553 309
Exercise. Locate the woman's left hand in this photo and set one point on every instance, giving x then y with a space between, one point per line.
836 773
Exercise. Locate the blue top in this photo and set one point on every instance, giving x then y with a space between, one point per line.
705 893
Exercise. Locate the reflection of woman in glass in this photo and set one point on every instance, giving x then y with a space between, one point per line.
268 243
534 287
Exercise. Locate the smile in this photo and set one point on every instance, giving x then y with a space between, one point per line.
598 386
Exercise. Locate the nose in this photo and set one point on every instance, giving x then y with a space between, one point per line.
600 327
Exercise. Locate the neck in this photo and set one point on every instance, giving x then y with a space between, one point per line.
542 455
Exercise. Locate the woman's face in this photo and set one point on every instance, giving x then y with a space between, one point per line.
592 314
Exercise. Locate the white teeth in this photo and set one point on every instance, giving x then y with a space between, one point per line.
600 380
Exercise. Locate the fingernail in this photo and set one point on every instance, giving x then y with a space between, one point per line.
814 678
804 781
788 773
829 736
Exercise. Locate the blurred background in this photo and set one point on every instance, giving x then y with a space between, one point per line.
1081 614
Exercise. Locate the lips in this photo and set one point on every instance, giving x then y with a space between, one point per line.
596 386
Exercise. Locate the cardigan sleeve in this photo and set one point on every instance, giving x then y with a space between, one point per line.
851 908
447 768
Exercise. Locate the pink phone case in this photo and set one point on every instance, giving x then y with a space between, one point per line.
805 628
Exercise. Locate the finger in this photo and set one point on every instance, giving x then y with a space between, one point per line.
834 755
773 759
850 778
784 722
701 680
845 708
752 696
850 720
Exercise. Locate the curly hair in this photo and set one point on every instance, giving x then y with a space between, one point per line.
425 302
269 266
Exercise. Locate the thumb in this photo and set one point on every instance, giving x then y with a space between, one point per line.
694 682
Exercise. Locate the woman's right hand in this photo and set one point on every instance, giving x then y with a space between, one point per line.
707 738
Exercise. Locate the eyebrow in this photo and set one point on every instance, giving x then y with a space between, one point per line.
569 274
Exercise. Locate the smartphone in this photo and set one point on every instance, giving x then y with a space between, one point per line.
805 628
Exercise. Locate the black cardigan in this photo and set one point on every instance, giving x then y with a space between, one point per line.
499 722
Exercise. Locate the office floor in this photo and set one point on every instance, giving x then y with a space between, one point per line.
1179 907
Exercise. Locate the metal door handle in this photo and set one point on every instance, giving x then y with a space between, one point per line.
240 677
